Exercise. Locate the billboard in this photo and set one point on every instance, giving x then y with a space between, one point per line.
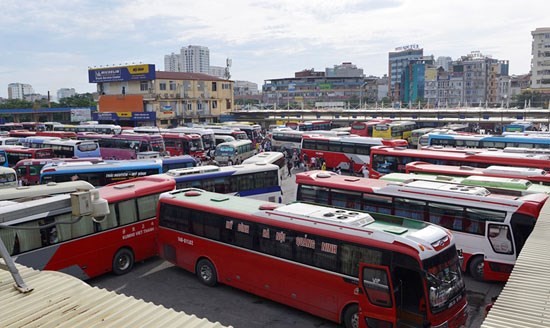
122 73
81 114
127 116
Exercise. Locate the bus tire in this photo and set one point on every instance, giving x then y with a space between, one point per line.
207 273
123 261
351 316
475 268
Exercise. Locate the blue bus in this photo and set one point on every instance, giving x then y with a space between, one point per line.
259 181
64 148
3 158
177 162
519 126
488 141
101 173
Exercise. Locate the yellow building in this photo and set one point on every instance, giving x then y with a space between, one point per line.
165 98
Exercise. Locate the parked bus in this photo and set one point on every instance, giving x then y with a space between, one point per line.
490 229
343 266
28 170
11 126
9 141
18 153
394 130
20 194
234 152
339 152
310 125
3 158
90 128
177 144
488 141
221 138
416 134
259 181
534 175
499 185
386 160
34 126
364 129
82 247
101 173
519 126
222 130
269 157
177 162
126 146
286 139
8 177
207 135
253 131
21 133
64 148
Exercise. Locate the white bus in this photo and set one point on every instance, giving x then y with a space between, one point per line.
269 157
234 152
45 190
8 178
286 139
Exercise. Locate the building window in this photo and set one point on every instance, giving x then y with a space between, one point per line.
215 104
172 85
189 106
162 85
214 86
143 85
199 106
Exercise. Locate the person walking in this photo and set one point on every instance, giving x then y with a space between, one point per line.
365 170
289 167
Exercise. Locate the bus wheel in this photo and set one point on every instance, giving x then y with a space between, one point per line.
207 273
123 262
351 316
476 267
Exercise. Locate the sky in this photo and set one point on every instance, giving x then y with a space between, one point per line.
50 44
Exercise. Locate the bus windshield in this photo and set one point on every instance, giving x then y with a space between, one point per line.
444 277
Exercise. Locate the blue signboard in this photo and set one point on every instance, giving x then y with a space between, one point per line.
122 73
135 116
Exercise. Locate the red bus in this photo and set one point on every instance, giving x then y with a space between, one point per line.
343 152
28 170
18 153
177 144
489 228
364 129
325 261
21 133
389 159
126 146
534 175
84 247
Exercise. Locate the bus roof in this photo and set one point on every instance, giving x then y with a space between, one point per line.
209 170
418 189
99 166
136 187
43 190
264 157
494 184
361 225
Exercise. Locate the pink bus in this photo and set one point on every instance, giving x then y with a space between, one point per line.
126 146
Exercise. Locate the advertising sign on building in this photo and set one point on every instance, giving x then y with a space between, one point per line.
122 73
81 114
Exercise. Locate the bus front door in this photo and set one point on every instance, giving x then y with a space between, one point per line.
376 298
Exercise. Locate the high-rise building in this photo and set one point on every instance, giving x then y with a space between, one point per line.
444 62
398 61
195 59
217 71
19 90
540 61
347 69
65 93
172 63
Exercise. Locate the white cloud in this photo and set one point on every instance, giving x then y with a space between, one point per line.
265 39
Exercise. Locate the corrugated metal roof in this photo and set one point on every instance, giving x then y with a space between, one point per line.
525 299
61 300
